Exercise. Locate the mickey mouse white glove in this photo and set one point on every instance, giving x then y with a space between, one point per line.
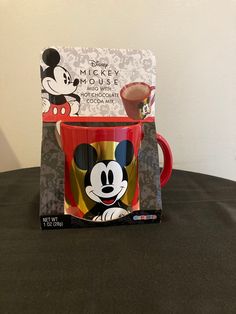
111 214
45 104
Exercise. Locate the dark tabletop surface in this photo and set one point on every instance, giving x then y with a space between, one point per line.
186 264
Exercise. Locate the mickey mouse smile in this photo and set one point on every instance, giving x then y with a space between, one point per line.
108 200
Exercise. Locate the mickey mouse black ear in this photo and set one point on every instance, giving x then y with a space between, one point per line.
85 156
51 57
124 153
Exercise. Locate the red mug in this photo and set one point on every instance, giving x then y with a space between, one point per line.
101 169
137 100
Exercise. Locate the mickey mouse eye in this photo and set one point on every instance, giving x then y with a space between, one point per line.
69 81
65 78
103 178
110 177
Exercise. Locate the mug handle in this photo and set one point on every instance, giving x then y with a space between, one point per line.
153 97
168 160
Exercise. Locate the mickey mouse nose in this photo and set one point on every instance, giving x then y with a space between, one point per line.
107 189
76 82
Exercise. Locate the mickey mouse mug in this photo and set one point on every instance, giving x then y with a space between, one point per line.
101 168
137 99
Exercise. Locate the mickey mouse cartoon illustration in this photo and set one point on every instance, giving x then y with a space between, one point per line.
58 84
105 181
145 109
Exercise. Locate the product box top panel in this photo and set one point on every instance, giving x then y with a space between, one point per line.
97 82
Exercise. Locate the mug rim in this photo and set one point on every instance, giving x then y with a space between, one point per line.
131 84
132 125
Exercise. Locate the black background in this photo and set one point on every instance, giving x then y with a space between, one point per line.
186 264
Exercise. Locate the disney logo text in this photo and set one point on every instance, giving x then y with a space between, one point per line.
94 64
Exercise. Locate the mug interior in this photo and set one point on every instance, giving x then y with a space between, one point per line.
101 125
135 91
